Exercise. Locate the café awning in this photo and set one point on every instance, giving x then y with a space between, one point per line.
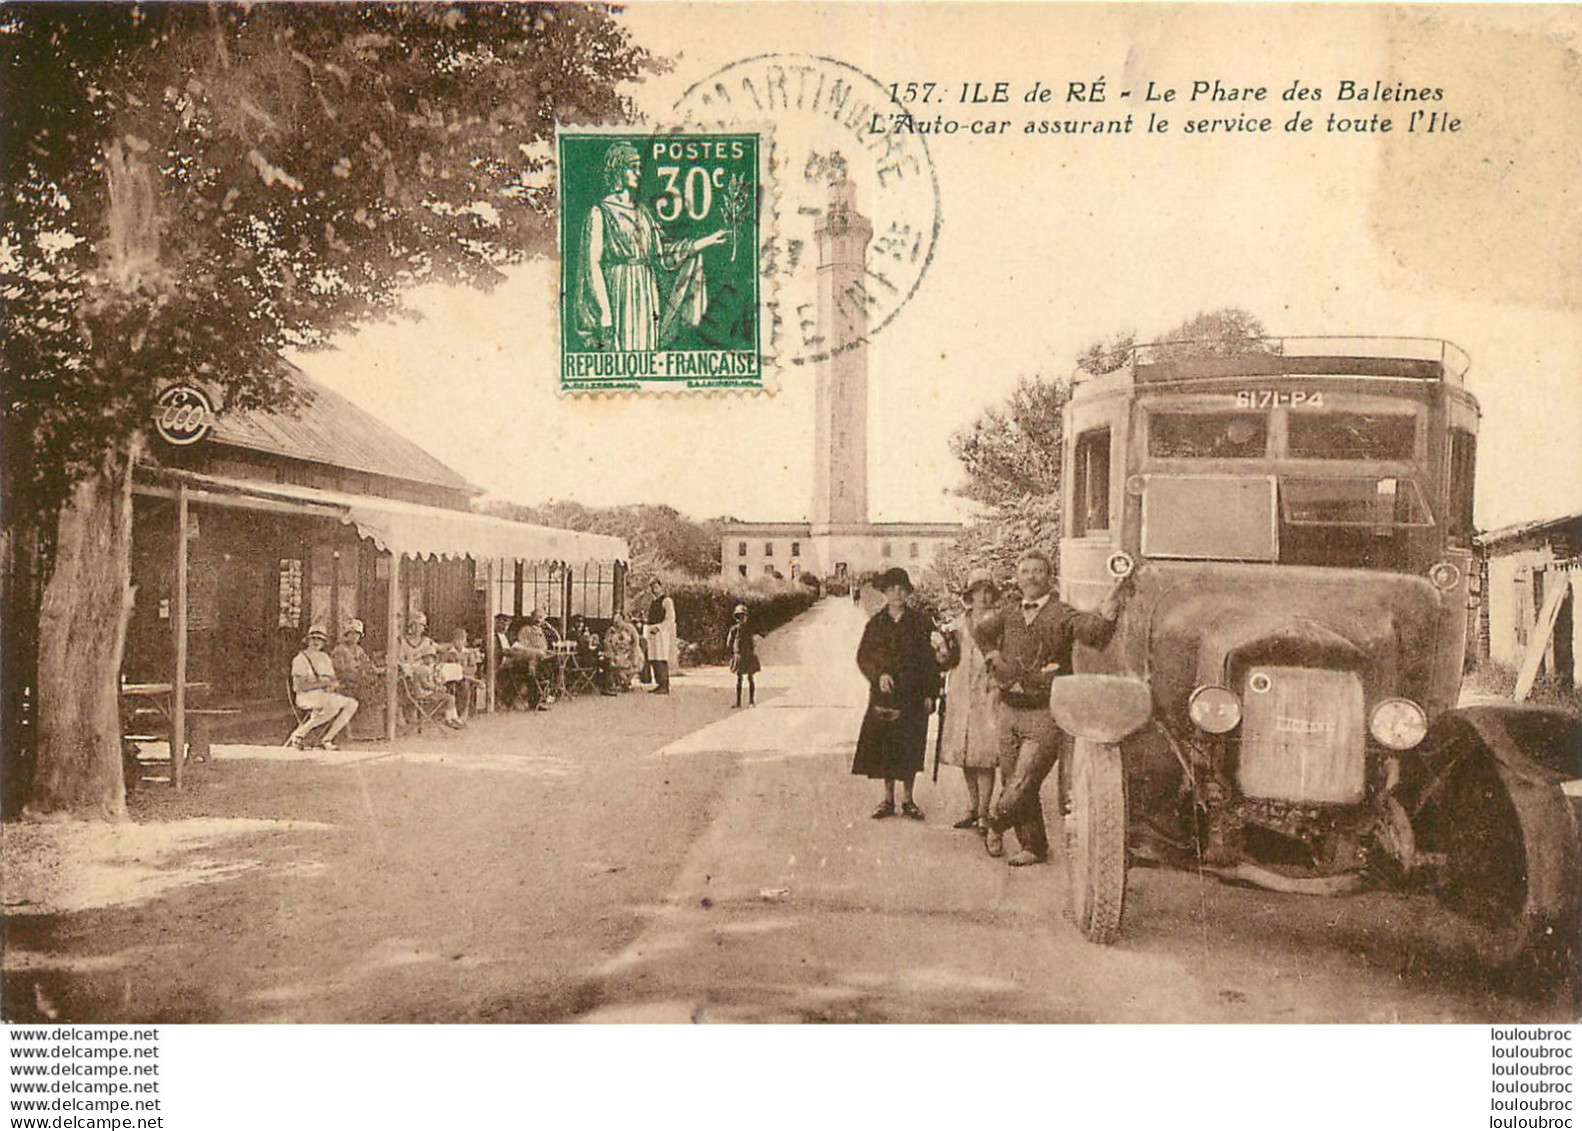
421 531
410 529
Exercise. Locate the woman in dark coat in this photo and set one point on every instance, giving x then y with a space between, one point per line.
897 658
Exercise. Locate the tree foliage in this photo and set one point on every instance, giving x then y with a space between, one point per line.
191 188
1106 355
663 541
1225 332
1012 451
1011 458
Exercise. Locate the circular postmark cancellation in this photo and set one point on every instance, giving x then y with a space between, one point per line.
822 112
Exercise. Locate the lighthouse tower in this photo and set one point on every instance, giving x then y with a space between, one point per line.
840 415
840 543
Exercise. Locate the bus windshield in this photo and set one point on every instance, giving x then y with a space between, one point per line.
1351 435
1353 522
1192 434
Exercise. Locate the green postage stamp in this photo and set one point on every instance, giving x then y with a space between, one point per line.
659 264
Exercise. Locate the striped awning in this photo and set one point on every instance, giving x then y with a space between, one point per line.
410 529
420 531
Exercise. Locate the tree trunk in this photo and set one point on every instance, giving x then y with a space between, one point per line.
87 604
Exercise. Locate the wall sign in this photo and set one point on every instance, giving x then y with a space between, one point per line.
183 414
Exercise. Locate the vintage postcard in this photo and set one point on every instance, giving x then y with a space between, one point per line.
926 514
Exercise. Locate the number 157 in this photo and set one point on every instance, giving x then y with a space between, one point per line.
912 91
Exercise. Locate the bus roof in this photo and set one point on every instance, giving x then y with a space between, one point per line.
1424 359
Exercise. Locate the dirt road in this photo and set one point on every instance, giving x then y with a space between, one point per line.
651 859
794 905
479 876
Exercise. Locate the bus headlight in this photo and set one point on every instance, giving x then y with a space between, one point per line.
1444 575
1214 709
1399 724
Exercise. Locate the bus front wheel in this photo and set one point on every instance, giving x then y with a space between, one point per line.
1093 805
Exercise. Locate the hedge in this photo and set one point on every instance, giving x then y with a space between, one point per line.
704 607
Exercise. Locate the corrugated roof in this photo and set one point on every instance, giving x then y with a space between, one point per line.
332 430
1522 529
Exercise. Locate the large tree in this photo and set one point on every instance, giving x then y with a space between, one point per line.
192 188
1010 456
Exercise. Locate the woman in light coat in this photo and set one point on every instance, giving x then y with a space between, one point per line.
970 737
663 650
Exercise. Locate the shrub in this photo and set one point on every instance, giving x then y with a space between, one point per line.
704 606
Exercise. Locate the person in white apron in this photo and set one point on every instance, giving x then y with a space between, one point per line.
660 634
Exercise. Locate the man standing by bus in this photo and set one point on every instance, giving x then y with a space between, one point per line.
1026 647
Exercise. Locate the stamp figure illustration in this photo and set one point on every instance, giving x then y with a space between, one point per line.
659 261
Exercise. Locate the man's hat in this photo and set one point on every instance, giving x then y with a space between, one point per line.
417 618
317 630
977 578
739 610
892 577
354 625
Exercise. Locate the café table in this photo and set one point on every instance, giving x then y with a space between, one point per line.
561 653
161 696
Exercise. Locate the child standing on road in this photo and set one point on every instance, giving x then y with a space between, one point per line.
743 647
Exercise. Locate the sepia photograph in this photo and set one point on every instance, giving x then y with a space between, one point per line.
936 514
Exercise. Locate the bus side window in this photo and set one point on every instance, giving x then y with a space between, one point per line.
1463 454
1091 491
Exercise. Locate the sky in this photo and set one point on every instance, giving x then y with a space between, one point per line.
1045 243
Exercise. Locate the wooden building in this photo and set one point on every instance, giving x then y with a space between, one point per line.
1531 572
316 517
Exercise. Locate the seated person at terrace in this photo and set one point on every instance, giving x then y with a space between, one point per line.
527 656
590 654
415 644
547 627
317 692
360 677
510 669
418 658
458 668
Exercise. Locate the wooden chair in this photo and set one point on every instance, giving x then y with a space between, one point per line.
300 713
582 675
425 706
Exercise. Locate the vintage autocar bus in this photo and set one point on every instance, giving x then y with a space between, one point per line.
1279 702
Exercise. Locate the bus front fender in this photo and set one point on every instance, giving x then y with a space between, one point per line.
1102 708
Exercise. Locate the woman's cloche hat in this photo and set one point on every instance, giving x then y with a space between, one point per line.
892 577
977 578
